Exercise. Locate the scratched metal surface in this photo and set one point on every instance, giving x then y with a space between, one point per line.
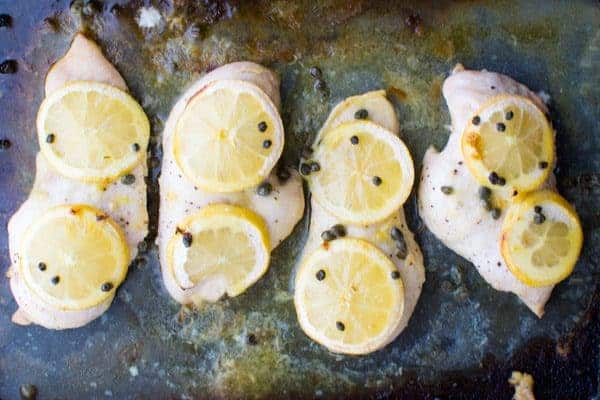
464 337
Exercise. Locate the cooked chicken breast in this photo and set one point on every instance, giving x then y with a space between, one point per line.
126 204
412 269
180 198
459 220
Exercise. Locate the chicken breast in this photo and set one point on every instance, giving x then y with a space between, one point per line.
459 220
126 204
281 210
411 268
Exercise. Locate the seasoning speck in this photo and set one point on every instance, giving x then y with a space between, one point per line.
320 275
447 189
543 164
4 144
476 120
266 144
354 139
187 239
315 72
395 275
361 114
42 266
106 286
496 212
340 325
305 169
509 115
485 193
28 392
50 138
8 67
327 236
262 126
539 219
320 84
500 127
128 179
339 230
283 174
495 179
251 339
376 181
5 21
264 189
135 147
55 280
314 166
537 209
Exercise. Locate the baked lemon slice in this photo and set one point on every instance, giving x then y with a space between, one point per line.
92 132
220 249
509 144
365 172
229 137
371 106
73 257
349 296
541 238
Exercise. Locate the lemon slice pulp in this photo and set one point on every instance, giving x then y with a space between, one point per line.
349 296
229 137
73 257
92 132
220 249
541 238
366 172
509 143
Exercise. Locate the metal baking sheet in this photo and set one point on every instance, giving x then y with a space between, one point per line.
463 339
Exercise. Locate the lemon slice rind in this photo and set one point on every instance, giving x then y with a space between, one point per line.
379 111
372 292
561 224
335 157
88 232
186 155
236 221
492 116
69 135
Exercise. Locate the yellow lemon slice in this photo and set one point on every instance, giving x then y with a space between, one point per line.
365 172
541 238
73 257
349 297
371 106
229 137
92 132
220 249
509 144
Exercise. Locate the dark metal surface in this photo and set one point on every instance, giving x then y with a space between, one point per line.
464 338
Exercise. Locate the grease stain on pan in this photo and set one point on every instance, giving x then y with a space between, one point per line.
359 45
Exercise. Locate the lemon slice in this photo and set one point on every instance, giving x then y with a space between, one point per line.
365 172
509 143
220 249
541 238
372 106
349 296
92 132
229 137
73 257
